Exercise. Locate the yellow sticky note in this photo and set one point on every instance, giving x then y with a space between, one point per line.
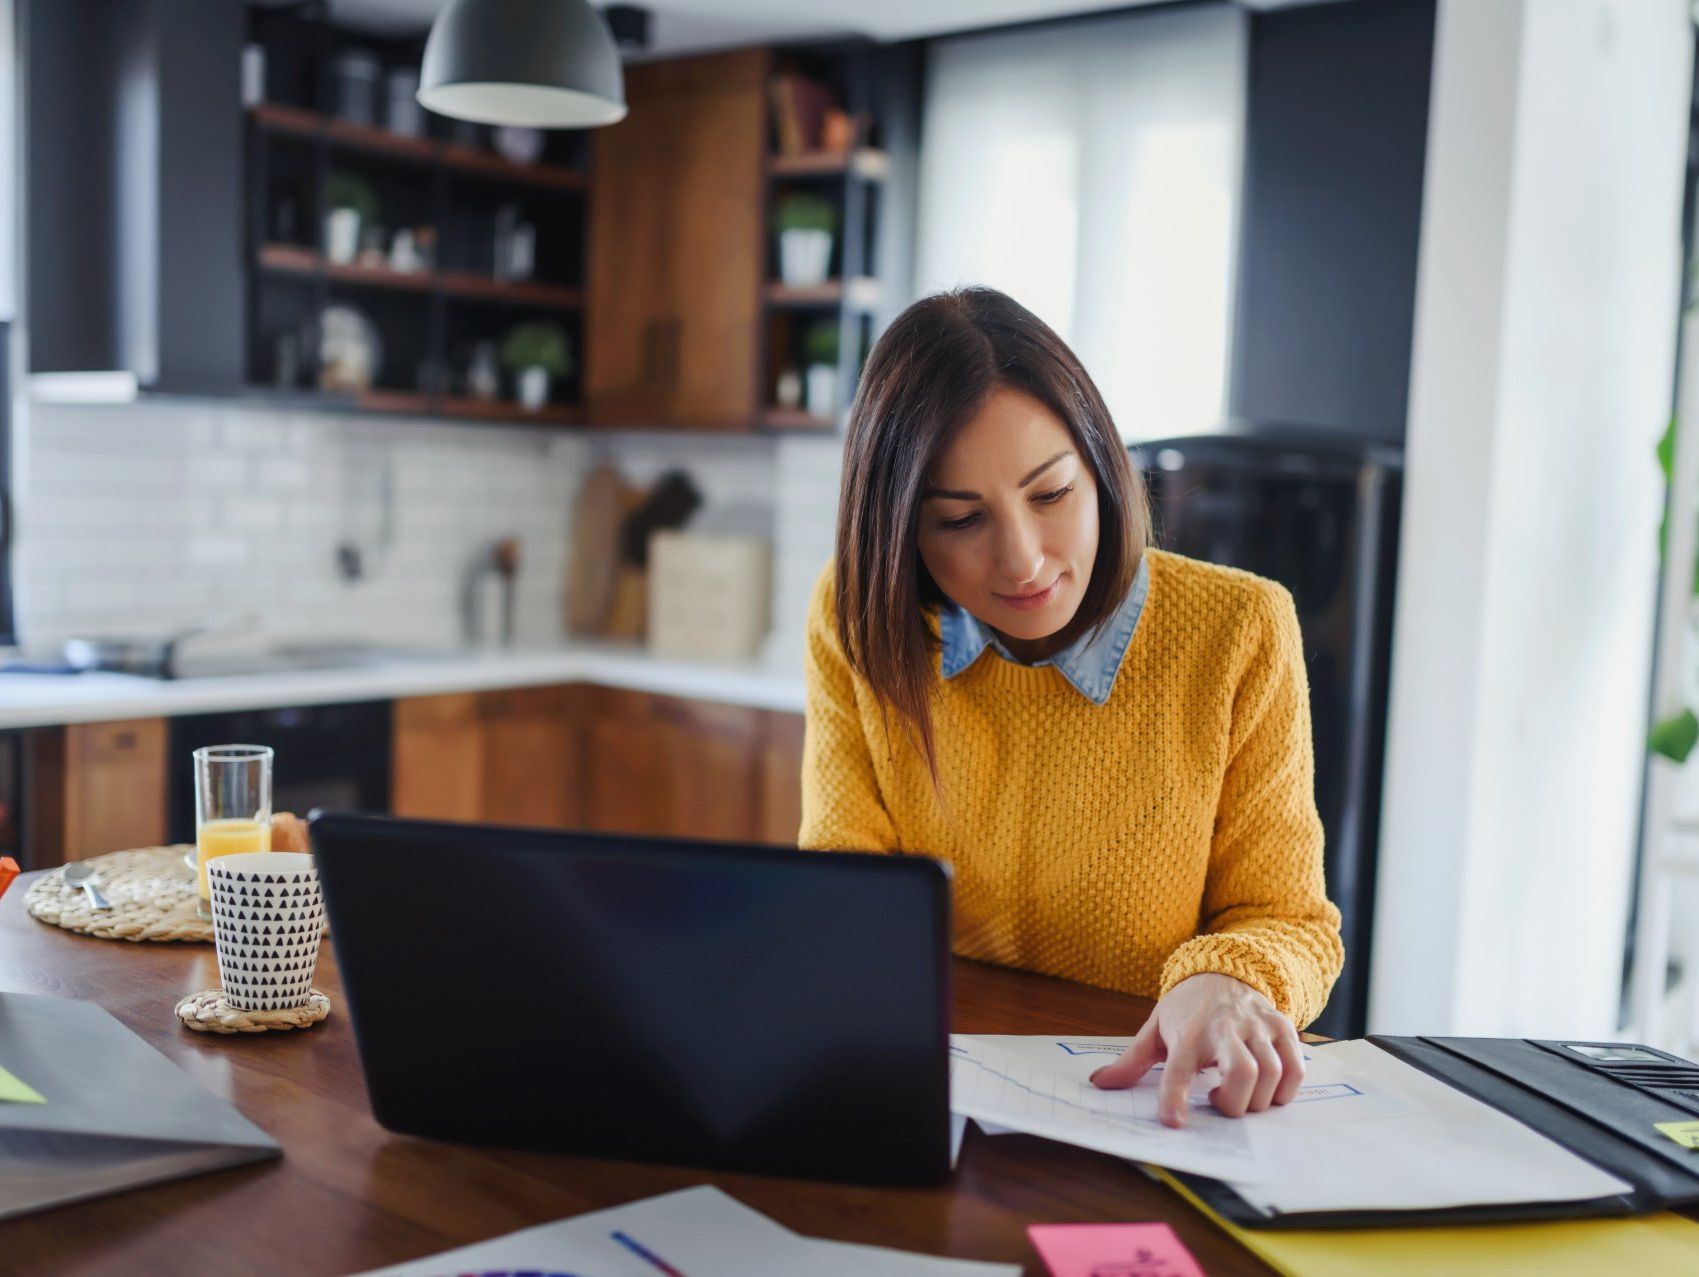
13 1089
1685 1134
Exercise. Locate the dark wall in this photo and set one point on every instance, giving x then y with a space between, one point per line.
1336 139
133 181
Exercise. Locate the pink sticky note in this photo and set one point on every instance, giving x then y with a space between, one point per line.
1112 1250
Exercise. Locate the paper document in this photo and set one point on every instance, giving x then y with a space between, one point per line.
700 1231
1443 1149
1011 1088
1330 1093
1366 1132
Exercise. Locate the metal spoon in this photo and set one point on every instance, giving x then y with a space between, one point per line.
81 874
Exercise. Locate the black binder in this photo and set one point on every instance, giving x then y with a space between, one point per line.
1600 1100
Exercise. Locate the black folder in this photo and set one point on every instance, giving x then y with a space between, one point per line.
1602 1101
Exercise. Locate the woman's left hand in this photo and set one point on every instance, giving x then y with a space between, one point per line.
1213 1019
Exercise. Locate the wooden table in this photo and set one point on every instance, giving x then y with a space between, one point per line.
348 1196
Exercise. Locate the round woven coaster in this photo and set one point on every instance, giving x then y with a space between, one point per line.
208 1012
151 889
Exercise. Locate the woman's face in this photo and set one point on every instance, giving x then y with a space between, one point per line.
1008 521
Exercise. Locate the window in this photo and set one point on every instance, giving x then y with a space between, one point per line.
1091 169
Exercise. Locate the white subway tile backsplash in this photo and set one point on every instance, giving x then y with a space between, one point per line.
156 515
212 470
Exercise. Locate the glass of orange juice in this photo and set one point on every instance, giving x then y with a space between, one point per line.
232 806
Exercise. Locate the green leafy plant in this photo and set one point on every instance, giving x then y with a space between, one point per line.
820 343
1673 737
349 190
537 345
800 211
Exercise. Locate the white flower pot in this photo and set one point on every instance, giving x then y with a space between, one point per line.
805 257
820 393
341 235
533 388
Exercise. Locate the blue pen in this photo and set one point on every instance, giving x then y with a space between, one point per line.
643 1252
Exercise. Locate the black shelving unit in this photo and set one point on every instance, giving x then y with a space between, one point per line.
854 180
446 181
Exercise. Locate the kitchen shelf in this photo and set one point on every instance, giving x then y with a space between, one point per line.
865 162
796 419
516 292
393 401
857 294
468 160
274 117
506 410
289 259
456 158
375 141
416 281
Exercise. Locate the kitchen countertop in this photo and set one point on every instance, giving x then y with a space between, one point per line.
39 700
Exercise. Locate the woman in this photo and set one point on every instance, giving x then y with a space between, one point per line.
1110 744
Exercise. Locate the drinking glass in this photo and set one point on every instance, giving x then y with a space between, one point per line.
232 806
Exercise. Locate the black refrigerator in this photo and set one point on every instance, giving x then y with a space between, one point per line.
1319 514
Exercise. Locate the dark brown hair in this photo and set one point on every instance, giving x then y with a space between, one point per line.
926 377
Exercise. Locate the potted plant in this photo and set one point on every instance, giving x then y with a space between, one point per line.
534 353
805 225
350 204
820 357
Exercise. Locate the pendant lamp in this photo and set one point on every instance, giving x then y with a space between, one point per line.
549 64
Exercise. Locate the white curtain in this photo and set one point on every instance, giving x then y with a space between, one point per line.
1091 169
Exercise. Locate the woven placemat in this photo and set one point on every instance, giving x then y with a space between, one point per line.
152 891
208 1012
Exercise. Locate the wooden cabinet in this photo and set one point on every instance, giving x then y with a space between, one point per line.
600 758
663 765
438 758
778 815
676 238
97 787
532 769
510 757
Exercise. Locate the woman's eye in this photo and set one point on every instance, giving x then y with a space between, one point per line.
1050 498
955 525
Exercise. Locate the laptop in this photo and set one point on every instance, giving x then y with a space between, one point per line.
711 1004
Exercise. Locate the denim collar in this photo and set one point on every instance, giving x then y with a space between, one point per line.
1090 662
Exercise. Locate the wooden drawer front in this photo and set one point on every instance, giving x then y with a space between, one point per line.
779 810
136 741
454 709
664 765
528 702
438 758
114 786
533 758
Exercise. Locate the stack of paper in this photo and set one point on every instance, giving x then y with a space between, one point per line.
699 1231
1366 1132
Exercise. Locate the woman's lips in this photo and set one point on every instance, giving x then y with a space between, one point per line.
1026 602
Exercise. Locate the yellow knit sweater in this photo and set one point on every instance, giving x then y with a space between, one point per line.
1169 831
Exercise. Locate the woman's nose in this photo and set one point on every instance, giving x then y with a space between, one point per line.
1020 556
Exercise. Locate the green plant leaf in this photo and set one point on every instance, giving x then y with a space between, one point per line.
801 211
538 345
1666 463
820 343
349 190
1675 737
